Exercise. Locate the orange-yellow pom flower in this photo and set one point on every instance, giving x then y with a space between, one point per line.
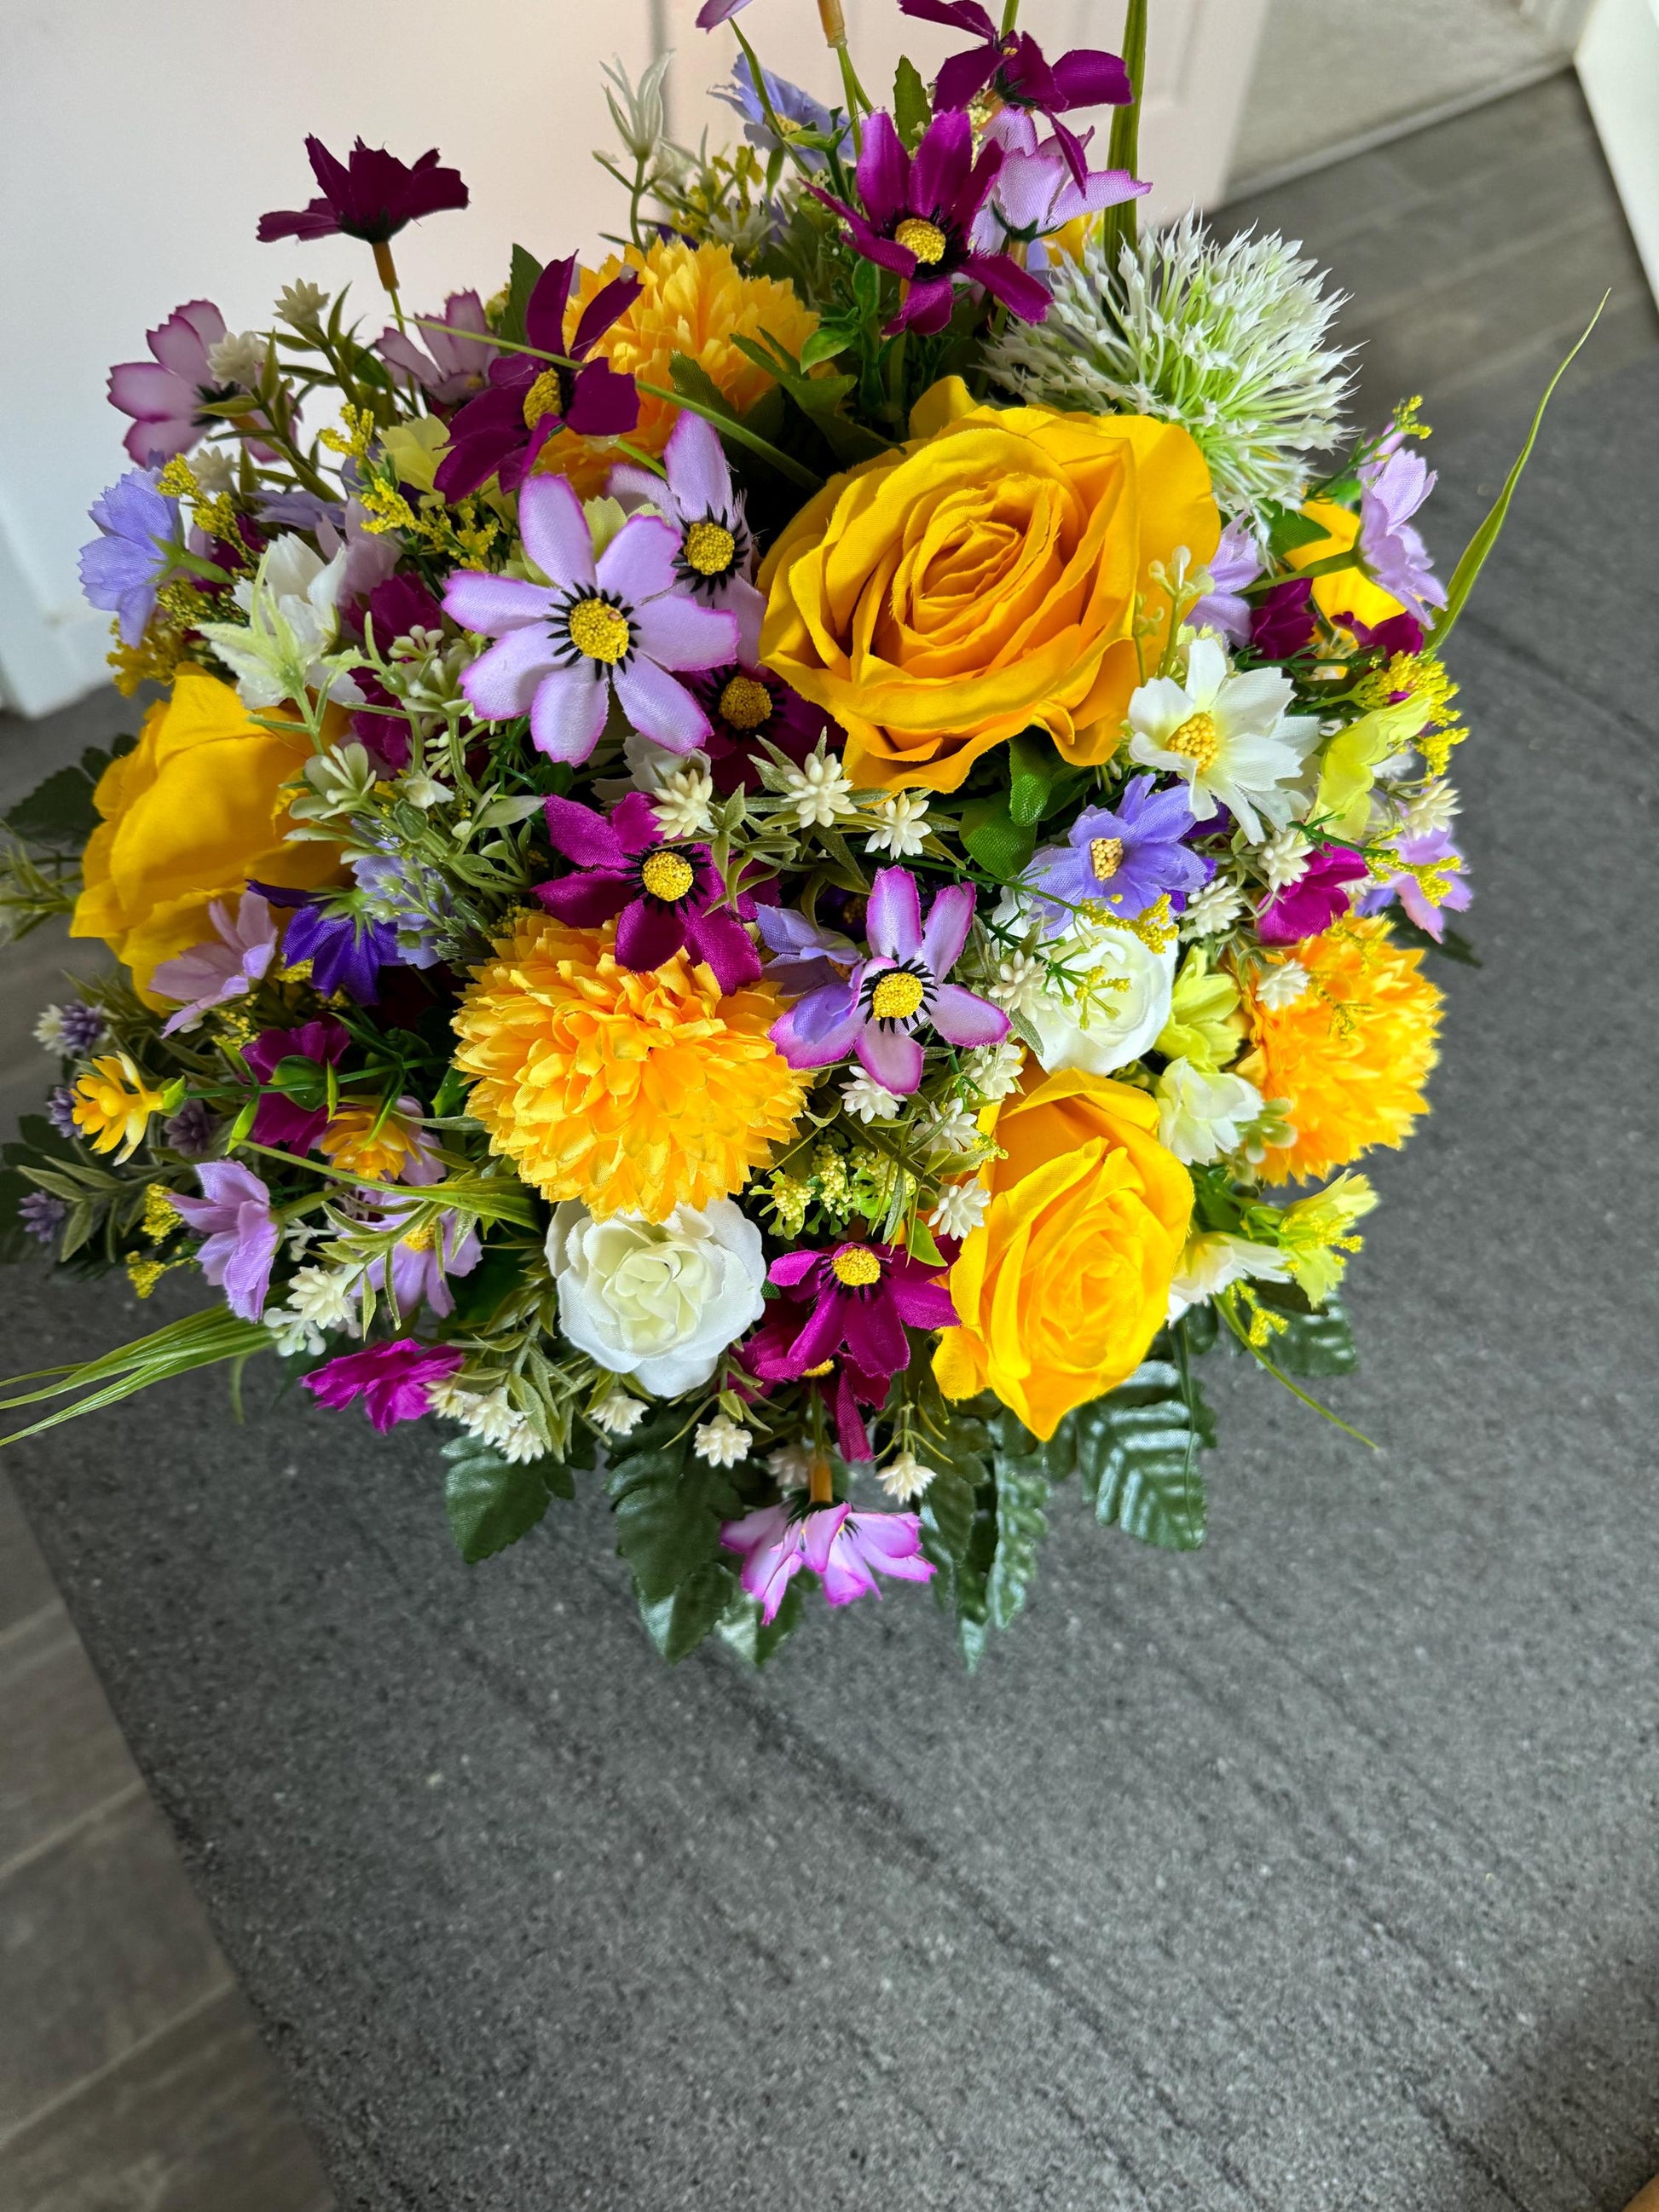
1350 1057
113 1104
634 1092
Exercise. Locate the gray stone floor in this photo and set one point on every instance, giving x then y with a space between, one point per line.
1316 1870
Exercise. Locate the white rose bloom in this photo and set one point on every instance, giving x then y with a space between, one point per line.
1229 736
657 1301
1122 1004
1215 1260
1201 1116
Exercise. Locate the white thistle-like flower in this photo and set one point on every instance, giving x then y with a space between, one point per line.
521 1444
1283 859
993 1070
291 1334
790 1466
870 1101
238 358
905 1479
637 110
960 1209
904 826
952 1128
722 1442
300 305
215 470
328 1297
619 1414
1282 985
1018 983
1214 908
1228 340
1432 809
819 790
680 801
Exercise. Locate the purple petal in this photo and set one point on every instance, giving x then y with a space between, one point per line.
1086 77
927 308
921 1301
634 820
892 921
698 474
883 169
568 715
875 1335
503 682
793 1269
648 935
555 531
491 606
964 76
639 562
892 1057
1017 289
721 940
610 301
811 1035
660 709
604 403
585 900
942 160
543 311
582 834
949 920
677 633
964 1019
247 1271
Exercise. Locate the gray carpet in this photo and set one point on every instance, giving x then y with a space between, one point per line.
1316 1870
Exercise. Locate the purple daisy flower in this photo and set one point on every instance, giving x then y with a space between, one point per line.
224 967
166 397
1011 65
806 957
790 105
394 1380
242 1233
121 570
40 1215
500 432
457 358
1036 191
617 625
716 553
1125 857
749 707
346 949
370 195
846 1549
664 896
1395 484
1234 567
419 1267
1435 849
897 990
917 221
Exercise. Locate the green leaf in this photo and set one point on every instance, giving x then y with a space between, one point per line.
1022 1492
1474 558
912 111
694 388
828 340
1034 766
678 1623
669 1508
918 1243
490 1502
521 282
692 381
452 1094
1138 1452
1451 945
60 811
753 1638
1288 529
1001 845
1314 1340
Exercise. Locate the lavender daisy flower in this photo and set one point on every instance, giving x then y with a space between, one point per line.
457 358
806 957
41 1215
417 1270
60 1110
166 396
899 989
716 551
1125 857
1234 567
797 110
121 570
1395 484
617 625
1036 192
241 1231
212 974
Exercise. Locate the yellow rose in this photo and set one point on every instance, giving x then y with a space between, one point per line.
984 578
1344 592
1066 1282
189 815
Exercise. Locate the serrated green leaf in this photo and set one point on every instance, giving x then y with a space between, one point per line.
669 1508
1001 845
490 1502
1138 1454
1021 1524
947 1517
1314 1340
753 1638
58 812
679 1622
912 111
692 381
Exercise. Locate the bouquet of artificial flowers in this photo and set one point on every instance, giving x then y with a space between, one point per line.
799 853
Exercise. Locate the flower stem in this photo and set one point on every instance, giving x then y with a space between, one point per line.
1010 15
386 267
1120 225
821 1482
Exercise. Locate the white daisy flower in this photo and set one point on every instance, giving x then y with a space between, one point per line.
960 1209
1215 1261
819 790
1229 736
1282 985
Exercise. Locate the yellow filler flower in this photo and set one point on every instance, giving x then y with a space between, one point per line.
635 1092
112 1103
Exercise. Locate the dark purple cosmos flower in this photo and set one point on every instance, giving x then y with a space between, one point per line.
41 1216
1011 65
1396 483
899 989
1435 850
346 949
918 216
166 397
242 1233
370 195
1234 567
1125 857
453 365
1282 621
766 1353
848 1550
748 708
279 1120
394 1380
526 400
1308 907
122 568
618 624
863 1296
665 896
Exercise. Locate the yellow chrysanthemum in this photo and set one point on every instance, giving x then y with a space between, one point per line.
113 1104
634 1092
1351 1056
691 300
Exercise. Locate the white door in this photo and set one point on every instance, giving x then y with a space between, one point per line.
1198 71
1619 69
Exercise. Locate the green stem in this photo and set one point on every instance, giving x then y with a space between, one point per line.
786 463
1010 15
1120 225
855 96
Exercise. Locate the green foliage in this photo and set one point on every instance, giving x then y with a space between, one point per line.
669 1506
491 1502
1315 1341
199 1339
1137 1449
912 111
753 1638
521 282
59 813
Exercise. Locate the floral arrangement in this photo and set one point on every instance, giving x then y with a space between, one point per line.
798 854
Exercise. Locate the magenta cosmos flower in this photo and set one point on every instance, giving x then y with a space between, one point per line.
1308 907
241 1232
166 397
919 212
456 358
394 1380
370 195
898 990
1011 65
500 432
664 896
620 624
282 1120
863 1296
846 1549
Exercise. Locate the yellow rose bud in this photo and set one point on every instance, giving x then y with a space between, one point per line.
189 817
1066 1282
983 578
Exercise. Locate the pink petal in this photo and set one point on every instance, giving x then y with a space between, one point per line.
568 715
639 562
489 606
698 475
555 531
659 708
891 1056
677 633
153 393
962 1018
503 682
893 920
949 920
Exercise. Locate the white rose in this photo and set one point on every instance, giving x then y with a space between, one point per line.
1120 1004
658 1300
1215 1261
1200 1115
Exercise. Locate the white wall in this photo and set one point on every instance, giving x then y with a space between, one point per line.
1618 68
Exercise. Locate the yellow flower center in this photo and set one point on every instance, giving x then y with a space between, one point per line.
545 397
1105 857
824 1367
598 629
710 548
923 238
1197 741
896 996
667 875
421 1239
745 703
856 1267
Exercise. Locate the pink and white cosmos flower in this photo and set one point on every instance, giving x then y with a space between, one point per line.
846 1549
